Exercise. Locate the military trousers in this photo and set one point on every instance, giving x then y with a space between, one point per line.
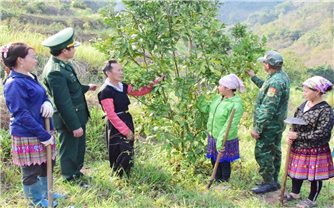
71 153
268 155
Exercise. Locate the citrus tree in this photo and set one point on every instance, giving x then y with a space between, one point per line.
186 42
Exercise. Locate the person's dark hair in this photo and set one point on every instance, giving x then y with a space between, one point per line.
56 52
279 67
108 66
13 52
329 88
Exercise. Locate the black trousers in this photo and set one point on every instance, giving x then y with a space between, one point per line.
31 173
314 189
223 171
120 155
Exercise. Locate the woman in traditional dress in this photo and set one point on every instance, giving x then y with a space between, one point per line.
310 157
113 97
28 105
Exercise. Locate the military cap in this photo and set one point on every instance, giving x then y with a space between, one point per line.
272 58
61 40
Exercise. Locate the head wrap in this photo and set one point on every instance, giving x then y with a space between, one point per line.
318 83
232 82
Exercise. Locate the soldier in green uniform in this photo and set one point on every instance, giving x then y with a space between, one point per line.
269 114
68 97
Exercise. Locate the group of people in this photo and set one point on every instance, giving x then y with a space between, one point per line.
310 157
29 106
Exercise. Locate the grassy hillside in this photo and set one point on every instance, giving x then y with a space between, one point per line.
303 29
158 179
33 21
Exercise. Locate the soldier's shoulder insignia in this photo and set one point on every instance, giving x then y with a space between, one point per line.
61 64
271 92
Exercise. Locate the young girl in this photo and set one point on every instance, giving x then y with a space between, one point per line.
219 112
28 105
310 157
113 97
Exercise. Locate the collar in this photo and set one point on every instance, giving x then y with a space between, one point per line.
14 74
276 72
118 87
318 105
232 99
61 62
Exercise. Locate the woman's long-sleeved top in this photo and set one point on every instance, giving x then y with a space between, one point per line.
24 97
317 132
219 113
115 101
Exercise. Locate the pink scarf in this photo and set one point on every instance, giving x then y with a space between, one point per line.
232 82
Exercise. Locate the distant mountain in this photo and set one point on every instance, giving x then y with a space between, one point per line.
232 12
304 29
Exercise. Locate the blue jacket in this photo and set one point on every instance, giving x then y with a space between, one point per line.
24 97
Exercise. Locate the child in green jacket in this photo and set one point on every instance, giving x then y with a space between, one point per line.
219 112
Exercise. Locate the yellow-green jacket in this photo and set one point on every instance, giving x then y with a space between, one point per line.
219 113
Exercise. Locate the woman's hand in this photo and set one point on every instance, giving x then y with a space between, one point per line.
130 135
46 110
92 87
159 79
50 141
222 150
291 137
251 73
255 135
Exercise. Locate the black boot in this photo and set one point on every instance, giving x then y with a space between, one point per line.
265 188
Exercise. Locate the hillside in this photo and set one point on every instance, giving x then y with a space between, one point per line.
303 29
170 168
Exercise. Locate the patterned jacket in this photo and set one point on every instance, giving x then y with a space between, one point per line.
272 102
317 132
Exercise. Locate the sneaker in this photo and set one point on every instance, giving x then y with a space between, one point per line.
45 204
306 204
264 188
58 196
291 197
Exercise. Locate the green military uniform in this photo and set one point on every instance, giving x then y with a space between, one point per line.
270 111
71 108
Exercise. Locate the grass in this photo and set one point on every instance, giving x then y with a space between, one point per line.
85 53
156 180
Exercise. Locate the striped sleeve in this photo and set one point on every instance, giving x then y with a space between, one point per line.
109 109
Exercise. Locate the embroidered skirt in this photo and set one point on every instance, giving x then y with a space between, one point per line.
28 151
231 152
311 163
